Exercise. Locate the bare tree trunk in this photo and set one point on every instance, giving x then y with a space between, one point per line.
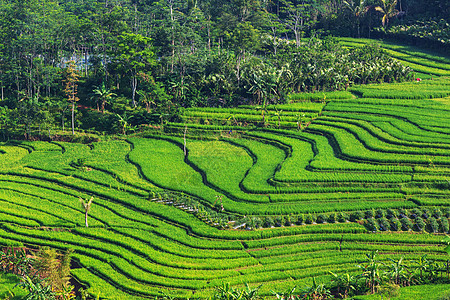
73 117
133 90
184 138
86 218
209 33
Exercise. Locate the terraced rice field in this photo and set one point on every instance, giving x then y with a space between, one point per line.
370 148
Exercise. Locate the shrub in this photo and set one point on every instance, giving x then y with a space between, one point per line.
368 214
371 225
357 215
390 213
342 217
444 225
321 219
437 213
434 226
425 213
288 220
332 218
406 224
395 224
380 213
383 224
402 213
299 220
446 212
414 213
268 222
279 221
308 219
419 224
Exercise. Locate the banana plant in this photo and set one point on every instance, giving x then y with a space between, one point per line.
345 282
371 271
37 290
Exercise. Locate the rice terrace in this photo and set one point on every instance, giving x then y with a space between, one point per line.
342 190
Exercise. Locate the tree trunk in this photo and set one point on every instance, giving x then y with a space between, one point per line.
73 117
86 218
133 89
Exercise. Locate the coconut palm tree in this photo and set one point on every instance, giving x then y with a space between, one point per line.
357 8
86 206
146 98
103 95
388 10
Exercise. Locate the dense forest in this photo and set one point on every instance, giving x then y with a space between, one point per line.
102 64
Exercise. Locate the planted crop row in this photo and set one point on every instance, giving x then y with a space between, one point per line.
353 148
390 143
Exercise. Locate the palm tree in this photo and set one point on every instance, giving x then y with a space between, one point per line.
358 8
146 98
86 206
104 95
388 10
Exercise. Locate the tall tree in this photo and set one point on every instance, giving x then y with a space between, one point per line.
133 54
388 10
357 8
71 89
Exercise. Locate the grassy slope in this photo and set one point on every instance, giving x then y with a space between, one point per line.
384 148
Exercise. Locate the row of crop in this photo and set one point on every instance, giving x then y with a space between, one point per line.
305 257
377 139
414 115
103 212
400 129
436 67
76 161
430 127
403 103
216 158
288 210
325 158
219 171
357 235
122 266
111 157
120 199
296 168
17 217
164 245
155 263
112 213
256 185
343 197
41 210
352 148
9 155
320 96
408 50
249 111
331 262
418 92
